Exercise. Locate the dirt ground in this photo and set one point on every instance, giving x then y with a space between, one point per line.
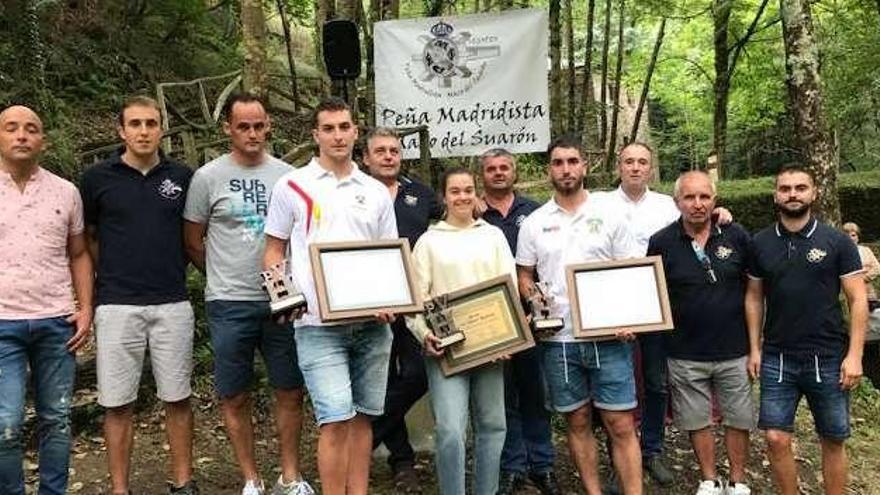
216 470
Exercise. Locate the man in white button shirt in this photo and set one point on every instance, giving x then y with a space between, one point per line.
345 366
573 227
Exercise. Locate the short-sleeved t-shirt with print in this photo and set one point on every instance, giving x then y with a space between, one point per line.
233 201
35 226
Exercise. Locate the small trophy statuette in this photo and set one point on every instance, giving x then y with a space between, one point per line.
437 316
284 295
541 302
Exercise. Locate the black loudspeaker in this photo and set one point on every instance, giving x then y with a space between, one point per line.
342 49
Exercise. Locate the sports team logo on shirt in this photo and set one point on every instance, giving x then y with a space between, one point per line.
169 189
594 225
410 200
723 252
360 199
816 255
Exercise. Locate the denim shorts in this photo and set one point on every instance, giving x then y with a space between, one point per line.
785 378
345 368
237 329
577 373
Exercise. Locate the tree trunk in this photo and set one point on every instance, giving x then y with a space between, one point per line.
253 36
618 82
661 32
805 97
291 63
603 91
556 117
324 11
586 113
571 82
721 17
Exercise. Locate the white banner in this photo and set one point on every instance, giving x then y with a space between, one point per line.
477 81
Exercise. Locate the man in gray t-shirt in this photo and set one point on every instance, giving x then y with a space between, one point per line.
225 212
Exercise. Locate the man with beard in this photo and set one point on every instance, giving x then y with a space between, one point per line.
528 446
799 266
582 375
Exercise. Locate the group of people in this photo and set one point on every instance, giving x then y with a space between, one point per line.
114 254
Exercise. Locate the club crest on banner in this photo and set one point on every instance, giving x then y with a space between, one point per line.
447 56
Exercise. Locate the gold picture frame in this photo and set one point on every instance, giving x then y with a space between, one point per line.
493 321
608 297
354 280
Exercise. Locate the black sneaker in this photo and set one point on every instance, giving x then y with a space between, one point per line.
509 482
406 479
658 470
546 483
189 488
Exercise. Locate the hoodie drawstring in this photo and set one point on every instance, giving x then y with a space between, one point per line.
816 361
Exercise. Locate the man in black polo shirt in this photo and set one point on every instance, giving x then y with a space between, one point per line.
133 206
528 447
415 204
705 267
799 266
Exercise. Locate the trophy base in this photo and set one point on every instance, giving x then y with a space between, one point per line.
547 327
450 339
288 303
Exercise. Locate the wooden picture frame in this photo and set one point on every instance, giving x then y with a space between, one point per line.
355 280
607 297
492 318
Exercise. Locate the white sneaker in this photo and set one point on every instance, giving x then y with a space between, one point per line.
710 487
737 489
252 487
298 487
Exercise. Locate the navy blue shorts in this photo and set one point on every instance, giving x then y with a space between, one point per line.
785 378
237 329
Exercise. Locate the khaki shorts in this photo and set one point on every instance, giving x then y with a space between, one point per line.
693 383
123 334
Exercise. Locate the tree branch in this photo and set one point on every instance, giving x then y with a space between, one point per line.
740 43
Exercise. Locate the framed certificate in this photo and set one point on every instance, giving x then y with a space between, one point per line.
609 296
356 280
493 322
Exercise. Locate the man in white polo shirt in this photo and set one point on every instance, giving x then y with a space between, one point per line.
571 228
345 366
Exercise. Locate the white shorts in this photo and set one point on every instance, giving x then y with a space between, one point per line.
123 333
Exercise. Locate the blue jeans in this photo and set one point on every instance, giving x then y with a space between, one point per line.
345 368
42 345
785 378
483 389
655 381
528 446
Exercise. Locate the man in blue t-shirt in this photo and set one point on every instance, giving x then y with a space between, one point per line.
415 205
799 266
528 447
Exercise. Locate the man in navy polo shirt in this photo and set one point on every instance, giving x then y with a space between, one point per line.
528 447
705 267
415 205
133 206
799 266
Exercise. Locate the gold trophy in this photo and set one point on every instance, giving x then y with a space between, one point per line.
541 303
284 295
437 317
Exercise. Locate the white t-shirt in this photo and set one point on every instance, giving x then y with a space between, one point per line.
644 217
310 205
552 238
